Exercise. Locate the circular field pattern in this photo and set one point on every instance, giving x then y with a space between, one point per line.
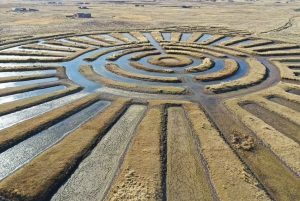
167 60
149 115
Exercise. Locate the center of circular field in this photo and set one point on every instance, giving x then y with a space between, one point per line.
170 60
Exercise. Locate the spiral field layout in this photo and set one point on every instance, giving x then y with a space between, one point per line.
149 115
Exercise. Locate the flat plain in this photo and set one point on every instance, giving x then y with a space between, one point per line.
150 100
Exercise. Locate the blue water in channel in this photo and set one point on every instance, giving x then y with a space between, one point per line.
17 156
29 94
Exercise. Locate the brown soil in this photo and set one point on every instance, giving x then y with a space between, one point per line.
281 124
287 103
139 177
185 177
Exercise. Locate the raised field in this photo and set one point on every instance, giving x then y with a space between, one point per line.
159 114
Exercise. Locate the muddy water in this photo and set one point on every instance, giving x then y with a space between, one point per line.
281 124
294 91
286 103
29 94
17 156
20 73
16 117
93 176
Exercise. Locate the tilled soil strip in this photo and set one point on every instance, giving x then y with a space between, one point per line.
20 154
185 177
140 174
42 175
95 173
231 178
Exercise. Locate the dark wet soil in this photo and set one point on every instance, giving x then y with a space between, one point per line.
281 124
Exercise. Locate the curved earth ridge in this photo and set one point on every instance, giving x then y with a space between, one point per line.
218 81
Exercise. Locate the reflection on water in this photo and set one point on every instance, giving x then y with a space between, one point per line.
29 94
22 115
221 40
19 73
17 156
185 36
20 83
204 37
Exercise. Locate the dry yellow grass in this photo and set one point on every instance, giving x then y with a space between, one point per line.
29 102
31 53
230 68
212 39
217 49
139 36
139 177
25 77
285 147
37 178
132 17
186 178
103 39
256 74
46 47
233 41
89 73
237 49
68 57
30 68
286 72
129 51
25 88
66 44
138 56
96 55
194 37
207 63
175 36
157 36
170 47
228 173
114 68
25 129
121 37
179 60
140 66
286 59
85 41
274 47
280 53
192 54
254 43
15 44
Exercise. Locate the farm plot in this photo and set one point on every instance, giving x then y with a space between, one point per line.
170 114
